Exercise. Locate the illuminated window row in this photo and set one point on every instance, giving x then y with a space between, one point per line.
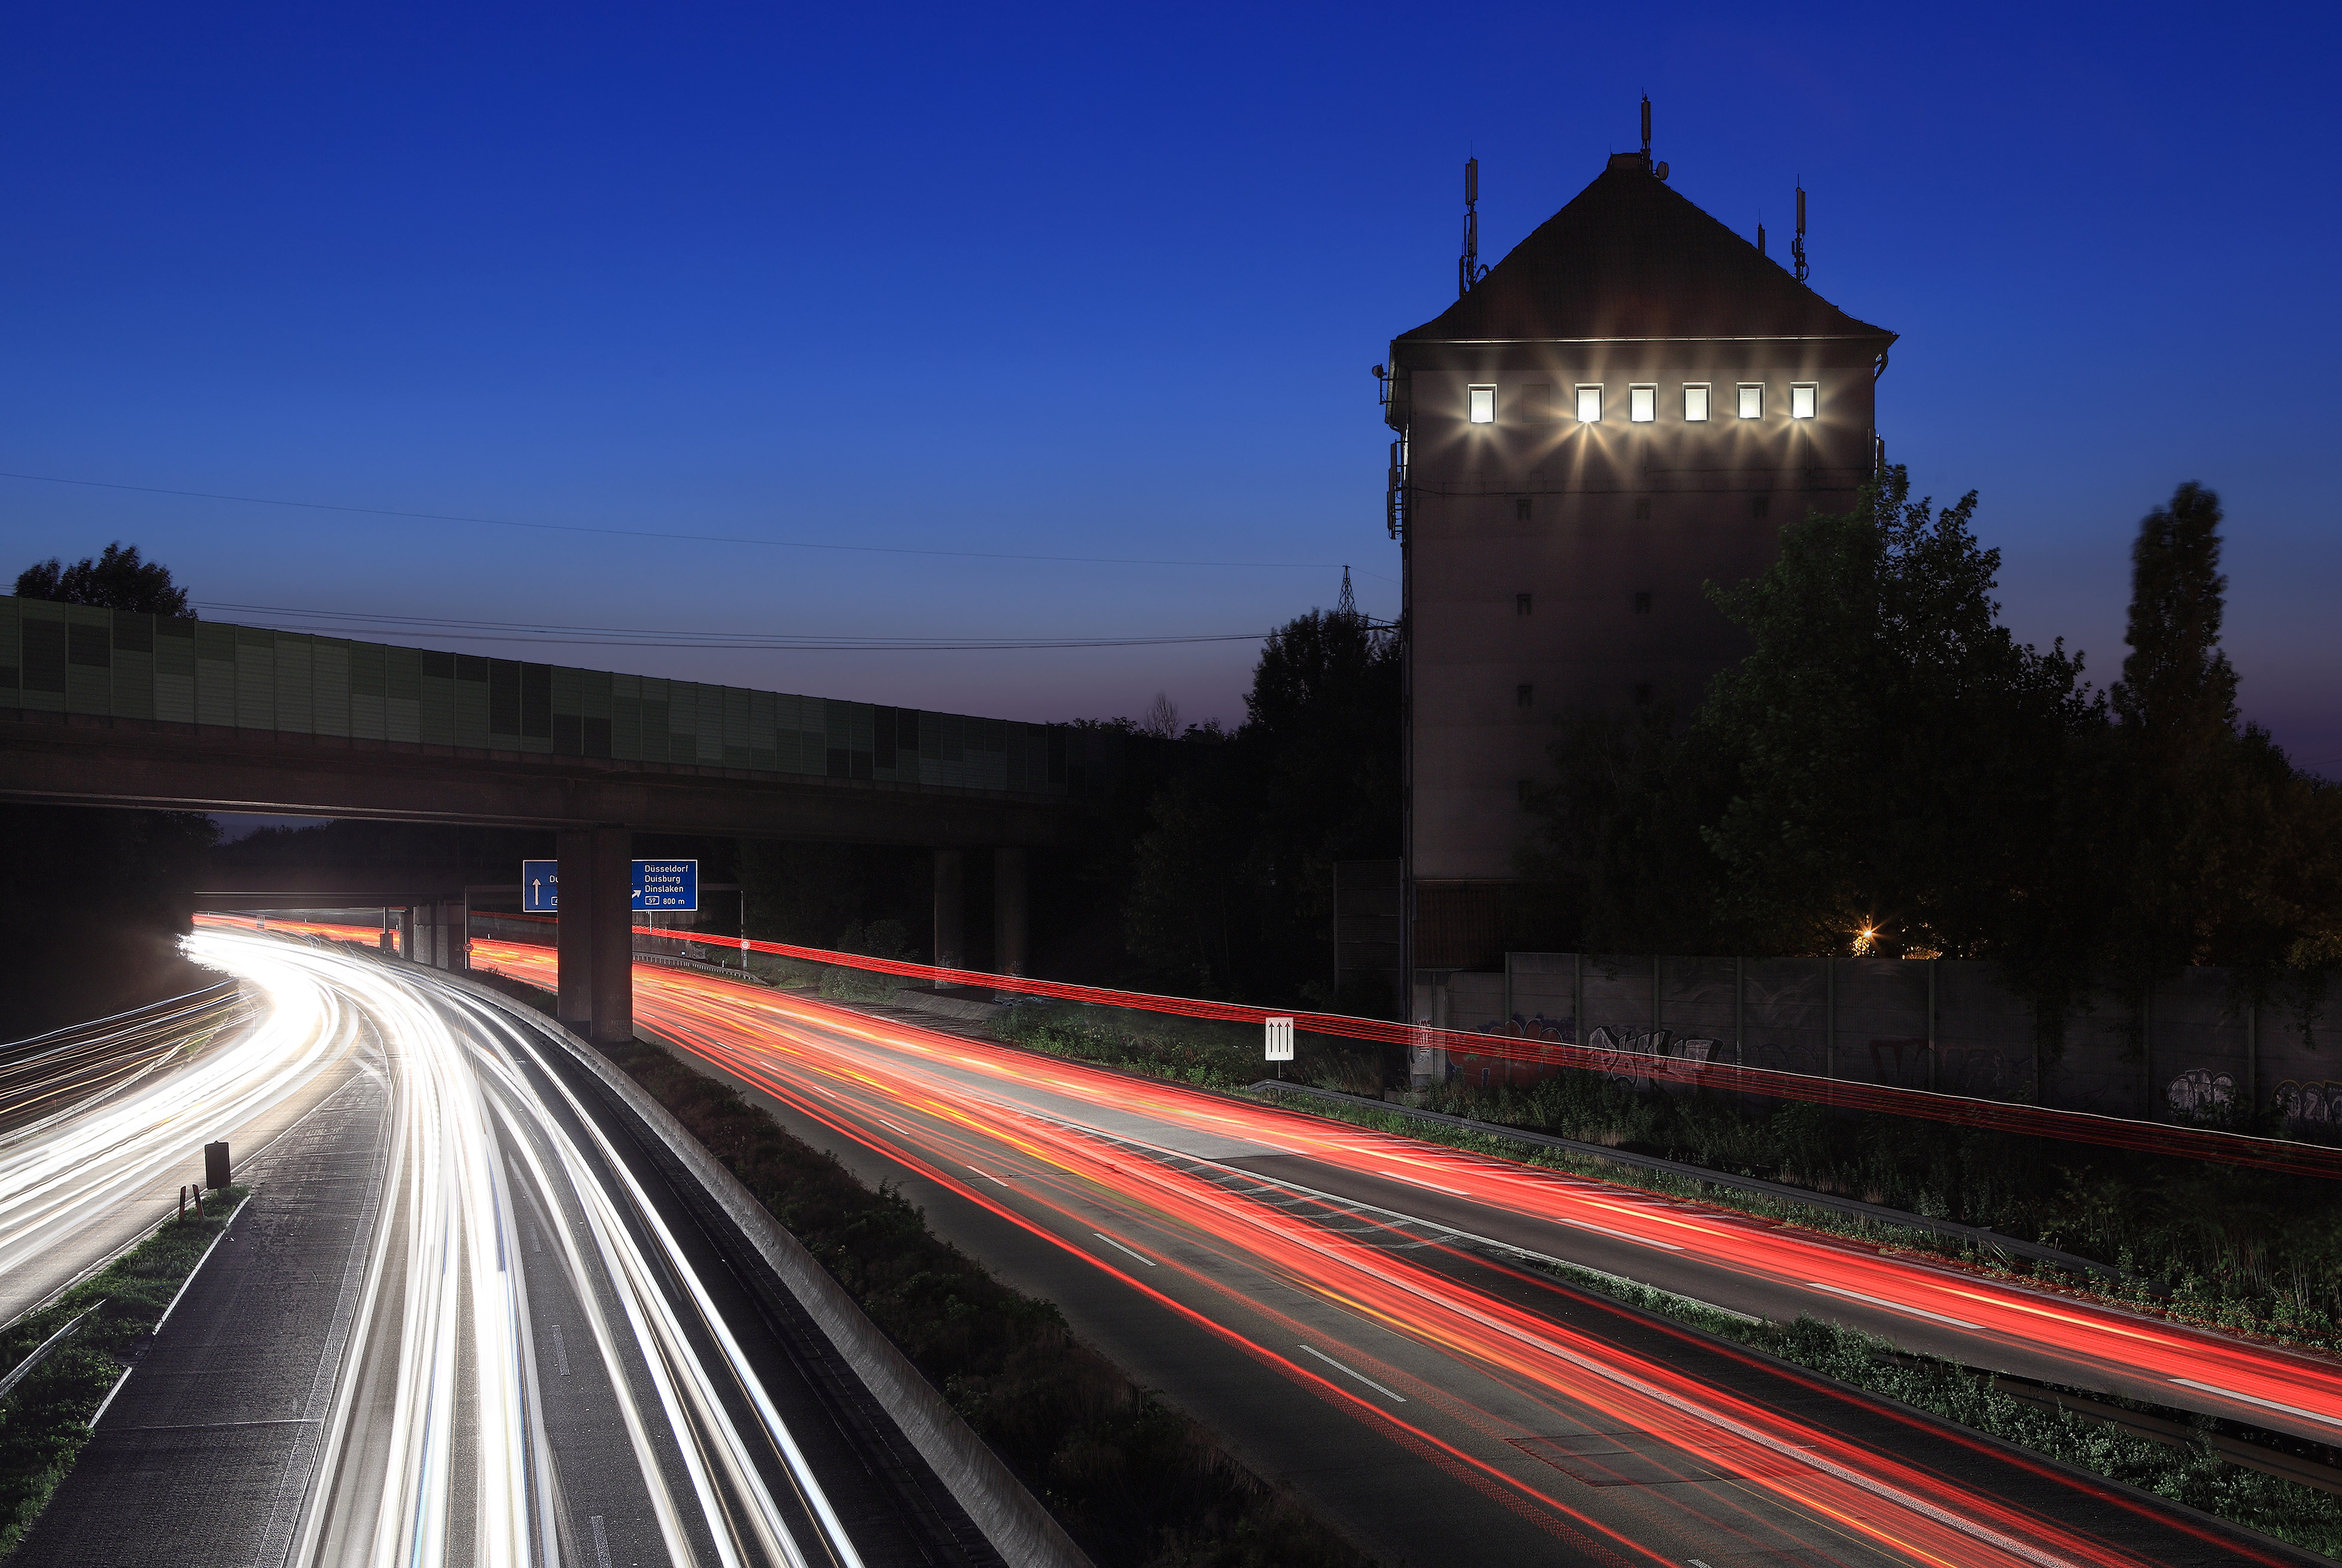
1746 399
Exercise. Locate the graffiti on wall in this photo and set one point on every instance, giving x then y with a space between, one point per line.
2314 1101
2200 1089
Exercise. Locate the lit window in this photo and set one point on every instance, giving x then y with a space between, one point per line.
1642 404
1483 405
1589 406
1752 402
1695 403
1804 397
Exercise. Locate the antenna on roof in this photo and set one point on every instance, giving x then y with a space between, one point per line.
1761 239
1646 128
1798 246
1349 604
1468 270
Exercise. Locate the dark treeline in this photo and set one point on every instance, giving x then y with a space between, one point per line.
1889 771
97 900
1209 868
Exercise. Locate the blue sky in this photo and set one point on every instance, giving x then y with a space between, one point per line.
1098 283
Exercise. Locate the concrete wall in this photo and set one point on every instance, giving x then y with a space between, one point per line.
1947 1025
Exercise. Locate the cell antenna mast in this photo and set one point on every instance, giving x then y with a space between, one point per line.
1349 604
1798 246
1468 270
1646 128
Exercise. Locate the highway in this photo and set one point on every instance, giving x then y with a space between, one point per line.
545 1348
98 1123
1364 1316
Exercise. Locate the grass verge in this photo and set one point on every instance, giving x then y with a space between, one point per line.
46 1419
1135 1481
2195 1474
2217 1247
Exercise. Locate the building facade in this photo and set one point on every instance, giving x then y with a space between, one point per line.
1628 406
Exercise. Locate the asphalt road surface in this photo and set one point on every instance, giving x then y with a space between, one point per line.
474 1315
1364 1317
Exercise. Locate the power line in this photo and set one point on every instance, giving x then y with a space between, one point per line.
346 622
678 538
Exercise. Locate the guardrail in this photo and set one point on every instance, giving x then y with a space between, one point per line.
2205 1143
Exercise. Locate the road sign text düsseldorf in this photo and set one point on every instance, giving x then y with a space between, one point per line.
669 884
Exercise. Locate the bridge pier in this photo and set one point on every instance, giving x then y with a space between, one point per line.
594 940
951 910
1010 952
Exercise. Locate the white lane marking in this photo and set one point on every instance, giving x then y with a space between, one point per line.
890 1126
1892 1306
1419 1182
1361 1376
560 1350
2255 1399
987 1175
1110 1240
601 1544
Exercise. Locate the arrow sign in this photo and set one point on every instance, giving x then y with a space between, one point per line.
671 884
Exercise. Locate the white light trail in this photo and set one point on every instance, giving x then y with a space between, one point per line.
441 1359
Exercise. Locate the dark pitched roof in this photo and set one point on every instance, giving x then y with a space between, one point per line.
1630 258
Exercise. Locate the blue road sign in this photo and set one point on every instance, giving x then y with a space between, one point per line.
666 884
659 884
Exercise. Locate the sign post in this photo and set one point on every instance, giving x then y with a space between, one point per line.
1280 1042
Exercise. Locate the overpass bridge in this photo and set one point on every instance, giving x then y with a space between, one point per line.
105 708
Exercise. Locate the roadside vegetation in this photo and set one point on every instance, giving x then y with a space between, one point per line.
1135 1481
2192 1473
2215 1245
44 1421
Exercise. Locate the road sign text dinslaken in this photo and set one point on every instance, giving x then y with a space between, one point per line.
670 884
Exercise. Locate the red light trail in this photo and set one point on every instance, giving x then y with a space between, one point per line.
963 1113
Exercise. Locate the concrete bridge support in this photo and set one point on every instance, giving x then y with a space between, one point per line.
1010 952
951 909
594 944
439 933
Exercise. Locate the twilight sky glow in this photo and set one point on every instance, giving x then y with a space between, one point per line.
1097 282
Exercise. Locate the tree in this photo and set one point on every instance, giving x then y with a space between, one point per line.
1227 885
1894 756
2178 695
2224 853
116 580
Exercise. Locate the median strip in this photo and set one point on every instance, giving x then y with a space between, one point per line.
56 1399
